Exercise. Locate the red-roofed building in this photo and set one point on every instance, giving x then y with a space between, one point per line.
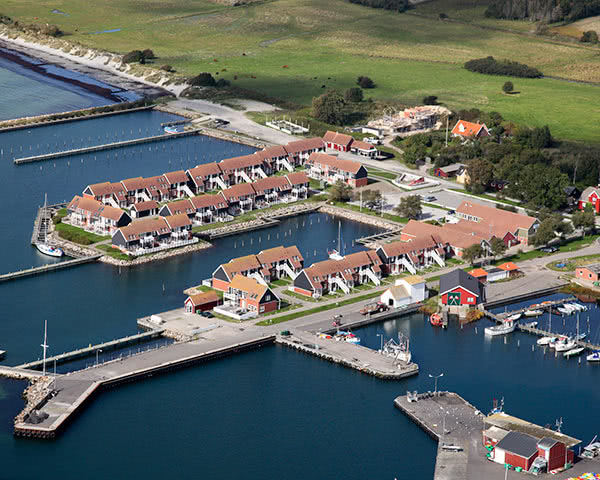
299 183
363 148
202 302
470 130
337 141
143 209
240 198
591 196
94 216
332 169
108 193
299 150
206 177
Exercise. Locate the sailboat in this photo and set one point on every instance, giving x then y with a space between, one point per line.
42 242
337 254
577 350
547 340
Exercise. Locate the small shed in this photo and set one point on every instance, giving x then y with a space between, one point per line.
510 268
201 302
589 273
516 449
480 274
495 274
407 290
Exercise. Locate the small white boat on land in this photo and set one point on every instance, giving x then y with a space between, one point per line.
593 357
533 313
47 249
573 352
546 340
503 329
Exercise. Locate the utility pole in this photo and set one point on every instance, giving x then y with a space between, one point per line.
45 347
447 119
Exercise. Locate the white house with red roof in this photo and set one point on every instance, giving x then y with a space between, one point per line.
332 169
470 130
92 215
590 196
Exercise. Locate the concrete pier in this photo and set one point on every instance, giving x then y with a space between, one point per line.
451 420
72 391
106 146
92 349
353 356
49 267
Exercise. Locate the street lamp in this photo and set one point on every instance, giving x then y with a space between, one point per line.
97 351
435 377
381 335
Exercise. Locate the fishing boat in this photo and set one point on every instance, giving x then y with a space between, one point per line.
546 340
436 320
573 352
398 351
568 344
533 313
593 357
503 329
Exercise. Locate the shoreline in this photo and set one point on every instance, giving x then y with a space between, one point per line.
100 66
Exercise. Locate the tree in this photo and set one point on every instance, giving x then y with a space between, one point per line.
498 246
545 232
365 82
481 174
353 94
410 207
329 108
340 192
508 87
584 220
371 199
148 54
133 56
590 37
203 79
430 100
472 253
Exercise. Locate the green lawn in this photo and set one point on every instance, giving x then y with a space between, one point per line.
112 252
322 308
295 49
78 235
366 211
281 282
572 263
374 172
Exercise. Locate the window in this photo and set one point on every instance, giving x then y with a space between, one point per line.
470 299
262 308
267 298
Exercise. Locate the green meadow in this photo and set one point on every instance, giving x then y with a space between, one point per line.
296 49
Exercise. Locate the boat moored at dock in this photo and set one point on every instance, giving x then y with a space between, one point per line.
593 357
502 329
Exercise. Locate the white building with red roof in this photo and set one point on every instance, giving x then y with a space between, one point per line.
470 130
94 216
333 169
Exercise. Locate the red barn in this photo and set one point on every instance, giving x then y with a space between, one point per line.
516 449
590 195
458 288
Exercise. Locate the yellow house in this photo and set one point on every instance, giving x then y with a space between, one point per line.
463 176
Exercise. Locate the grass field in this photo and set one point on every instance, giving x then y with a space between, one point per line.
295 49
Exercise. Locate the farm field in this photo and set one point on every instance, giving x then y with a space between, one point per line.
296 49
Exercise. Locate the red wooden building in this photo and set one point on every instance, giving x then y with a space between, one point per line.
590 195
201 302
337 141
458 288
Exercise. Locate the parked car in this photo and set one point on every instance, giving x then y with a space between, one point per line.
549 249
373 140
375 307
207 314
430 198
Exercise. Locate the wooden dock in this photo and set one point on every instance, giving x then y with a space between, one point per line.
379 237
49 267
72 391
92 349
545 333
500 317
359 358
106 146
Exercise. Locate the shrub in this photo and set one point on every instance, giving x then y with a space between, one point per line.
148 54
353 94
590 37
365 82
51 30
222 83
491 66
329 108
167 68
430 100
204 79
133 56
508 87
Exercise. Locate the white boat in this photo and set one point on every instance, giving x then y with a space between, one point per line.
513 318
531 324
564 310
593 357
533 313
576 306
171 129
565 346
546 340
49 250
573 352
557 341
503 329
581 336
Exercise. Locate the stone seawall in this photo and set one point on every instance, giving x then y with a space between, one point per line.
155 256
360 217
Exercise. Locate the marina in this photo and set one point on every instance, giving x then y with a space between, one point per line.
48 267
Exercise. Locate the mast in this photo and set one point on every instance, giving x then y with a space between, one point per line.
339 237
45 346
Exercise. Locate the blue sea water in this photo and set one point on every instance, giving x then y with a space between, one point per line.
271 413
